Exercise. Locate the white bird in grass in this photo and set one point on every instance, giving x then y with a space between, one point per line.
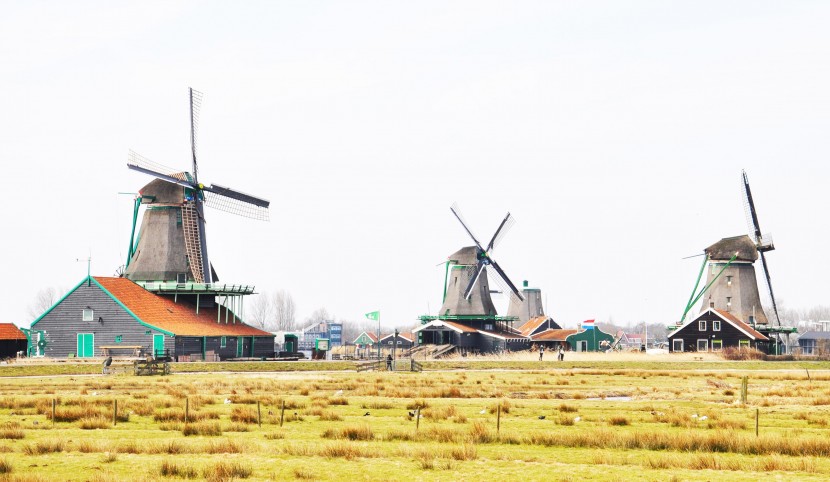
694 415
483 411
338 393
576 419
703 418
227 401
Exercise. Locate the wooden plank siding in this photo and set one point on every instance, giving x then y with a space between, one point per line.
728 335
64 321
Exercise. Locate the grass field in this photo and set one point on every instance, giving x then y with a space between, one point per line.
510 420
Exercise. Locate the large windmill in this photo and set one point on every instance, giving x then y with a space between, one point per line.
172 242
731 282
467 291
468 319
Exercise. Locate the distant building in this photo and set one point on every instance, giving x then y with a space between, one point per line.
814 342
403 341
590 338
543 331
325 329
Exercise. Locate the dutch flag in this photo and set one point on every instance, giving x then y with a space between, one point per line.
588 324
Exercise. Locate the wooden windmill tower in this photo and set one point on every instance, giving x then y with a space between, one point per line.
172 241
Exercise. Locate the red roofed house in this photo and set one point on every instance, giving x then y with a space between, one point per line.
115 316
542 330
12 340
713 330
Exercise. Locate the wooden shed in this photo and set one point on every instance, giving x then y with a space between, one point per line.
592 339
104 316
713 330
12 340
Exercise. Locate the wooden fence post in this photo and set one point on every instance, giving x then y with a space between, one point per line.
115 412
498 418
744 386
757 411
417 418
282 413
258 415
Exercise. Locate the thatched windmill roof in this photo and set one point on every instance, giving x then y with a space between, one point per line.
727 247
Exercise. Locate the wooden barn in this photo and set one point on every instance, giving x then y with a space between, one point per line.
713 330
104 316
543 331
590 338
472 336
403 341
12 341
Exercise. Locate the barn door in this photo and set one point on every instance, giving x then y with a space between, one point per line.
86 345
158 346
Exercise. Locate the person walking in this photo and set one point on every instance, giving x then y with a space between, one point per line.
561 353
541 352
389 362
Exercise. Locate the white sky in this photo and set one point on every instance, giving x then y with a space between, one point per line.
615 132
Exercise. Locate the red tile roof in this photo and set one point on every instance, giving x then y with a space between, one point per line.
741 325
459 326
177 318
10 331
553 335
532 324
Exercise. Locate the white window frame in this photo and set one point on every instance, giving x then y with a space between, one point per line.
701 325
719 343
716 325
705 345
674 345
88 314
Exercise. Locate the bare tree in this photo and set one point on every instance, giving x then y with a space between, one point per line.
284 310
261 314
44 300
318 315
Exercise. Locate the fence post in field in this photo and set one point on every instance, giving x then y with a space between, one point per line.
498 418
282 412
757 411
115 412
744 383
258 415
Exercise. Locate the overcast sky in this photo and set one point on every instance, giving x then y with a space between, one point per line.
614 132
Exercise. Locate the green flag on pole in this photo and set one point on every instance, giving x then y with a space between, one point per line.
375 315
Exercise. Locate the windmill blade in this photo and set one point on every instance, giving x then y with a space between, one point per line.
235 202
504 288
457 213
174 179
769 287
504 227
479 269
504 277
136 159
749 210
195 108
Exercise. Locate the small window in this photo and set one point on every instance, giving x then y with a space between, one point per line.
751 320
677 345
87 314
701 325
703 345
716 325
223 342
728 281
118 338
391 342
399 342
743 343
717 345
181 278
728 303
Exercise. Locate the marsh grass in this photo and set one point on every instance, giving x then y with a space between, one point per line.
6 467
226 471
202 428
169 468
44 447
352 432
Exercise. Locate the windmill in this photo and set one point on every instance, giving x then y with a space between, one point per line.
172 242
731 282
466 291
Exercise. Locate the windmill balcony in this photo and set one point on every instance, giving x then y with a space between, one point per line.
190 287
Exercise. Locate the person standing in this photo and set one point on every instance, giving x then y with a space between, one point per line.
561 353
541 352
389 362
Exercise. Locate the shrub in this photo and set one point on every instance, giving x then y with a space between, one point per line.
44 447
226 471
202 428
244 415
172 469
480 433
94 423
565 408
11 433
464 452
742 353
362 432
618 420
5 467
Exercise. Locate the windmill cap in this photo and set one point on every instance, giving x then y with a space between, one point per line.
742 246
